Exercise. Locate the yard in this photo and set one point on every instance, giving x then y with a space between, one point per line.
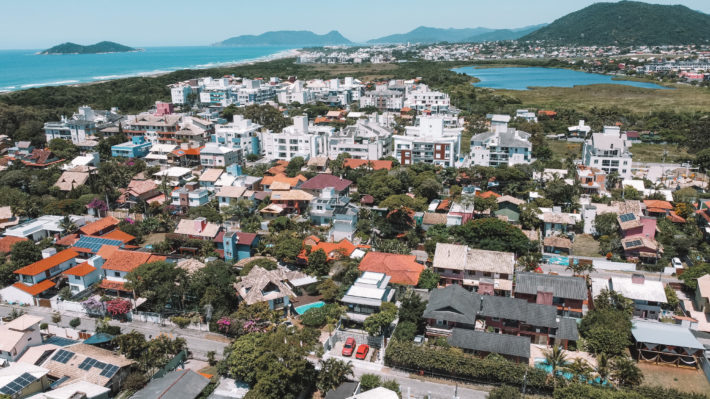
562 149
644 152
585 245
682 379
154 238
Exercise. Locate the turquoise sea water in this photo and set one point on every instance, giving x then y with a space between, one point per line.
523 78
23 69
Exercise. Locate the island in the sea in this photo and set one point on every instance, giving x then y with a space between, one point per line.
98 48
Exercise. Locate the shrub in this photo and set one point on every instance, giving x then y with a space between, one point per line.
211 358
75 322
43 326
370 381
456 364
181 321
134 382
56 318
405 331
504 392
319 317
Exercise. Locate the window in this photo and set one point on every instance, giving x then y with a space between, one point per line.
117 274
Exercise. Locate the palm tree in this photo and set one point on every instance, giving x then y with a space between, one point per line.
602 368
556 359
333 372
625 372
580 369
68 225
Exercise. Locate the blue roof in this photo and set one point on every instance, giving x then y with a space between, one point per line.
654 332
59 341
95 243
99 338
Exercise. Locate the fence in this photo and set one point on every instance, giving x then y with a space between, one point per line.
705 365
602 264
178 360
123 214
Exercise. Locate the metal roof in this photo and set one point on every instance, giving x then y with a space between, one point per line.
453 303
561 286
178 384
664 334
480 341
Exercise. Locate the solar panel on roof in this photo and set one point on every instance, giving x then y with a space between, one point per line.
95 243
18 384
627 217
62 356
109 371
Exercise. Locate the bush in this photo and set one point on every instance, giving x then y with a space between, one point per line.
405 331
211 358
134 382
181 321
43 326
56 318
459 365
370 381
75 322
319 317
504 392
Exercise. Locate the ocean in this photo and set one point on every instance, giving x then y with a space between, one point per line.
24 69
523 78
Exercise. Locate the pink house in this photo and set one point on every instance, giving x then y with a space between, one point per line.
162 108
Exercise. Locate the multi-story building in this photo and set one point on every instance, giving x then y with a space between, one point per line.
180 93
332 209
424 99
239 134
366 295
428 142
296 93
82 126
365 140
138 147
486 272
501 145
568 293
383 99
213 154
297 140
608 151
186 198
160 129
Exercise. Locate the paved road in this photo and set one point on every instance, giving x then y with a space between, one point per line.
199 342
421 388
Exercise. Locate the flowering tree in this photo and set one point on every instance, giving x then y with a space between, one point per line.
93 305
118 306
98 205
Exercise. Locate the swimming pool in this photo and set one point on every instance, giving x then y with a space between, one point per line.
558 260
303 308
541 363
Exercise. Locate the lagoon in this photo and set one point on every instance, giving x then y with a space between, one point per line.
522 78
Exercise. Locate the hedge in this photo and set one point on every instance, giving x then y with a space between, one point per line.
459 365
582 391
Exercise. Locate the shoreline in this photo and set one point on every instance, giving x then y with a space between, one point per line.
152 74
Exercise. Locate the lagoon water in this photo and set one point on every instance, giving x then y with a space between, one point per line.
23 69
523 78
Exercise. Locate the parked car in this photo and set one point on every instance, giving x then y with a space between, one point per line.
362 351
349 346
676 263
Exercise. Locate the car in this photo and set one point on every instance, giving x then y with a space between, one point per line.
349 346
676 263
362 351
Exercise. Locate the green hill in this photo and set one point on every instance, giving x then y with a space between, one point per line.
503 34
424 34
98 48
627 23
287 38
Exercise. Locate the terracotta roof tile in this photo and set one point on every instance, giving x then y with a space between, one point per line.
6 243
403 269
81 270
125 261
43 265
36 289
112 285
659 204
119 235
374 164
99 225
322 181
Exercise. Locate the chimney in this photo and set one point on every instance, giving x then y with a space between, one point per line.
486 287
544 297
200 224
638 279
47 252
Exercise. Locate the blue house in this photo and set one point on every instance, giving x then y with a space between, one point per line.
331 209
238 245
136 148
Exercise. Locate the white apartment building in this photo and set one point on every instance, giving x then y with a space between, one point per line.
213 154
608 151
383 99
239 134
501 146
422 98
81 126
297 140
179 93
365 140
296 92
428 142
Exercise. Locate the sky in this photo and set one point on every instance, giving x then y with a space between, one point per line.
39 24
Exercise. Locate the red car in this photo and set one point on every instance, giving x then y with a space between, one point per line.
362 351
349 347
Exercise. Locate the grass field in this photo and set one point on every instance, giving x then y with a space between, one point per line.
562 149
635 99
644 152
686 380
585 245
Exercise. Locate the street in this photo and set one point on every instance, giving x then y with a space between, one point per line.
198 342
563 271
420 389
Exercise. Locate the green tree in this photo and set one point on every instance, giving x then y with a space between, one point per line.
67 224
23 253
214 285
370 381
556 360
580 369
378 323
63 149
333 372
625 372
161 283
429 189
605 224
328 289
602 369
607 328
560 192
691 275
405 331
428 279
492 234
529 219
294 166
286 247
399 201
75 322
318 263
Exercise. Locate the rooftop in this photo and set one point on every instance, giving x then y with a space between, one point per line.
653 332
45 264
403 269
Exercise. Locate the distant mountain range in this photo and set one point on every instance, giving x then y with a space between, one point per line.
627 23
425 34
287 38
98 48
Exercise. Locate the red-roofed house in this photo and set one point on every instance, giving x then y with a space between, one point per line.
657 207
7 242
48 267
99 227
333 250
367 163
85 274
487 194
319 182
403 269
119 235
119 262
24 294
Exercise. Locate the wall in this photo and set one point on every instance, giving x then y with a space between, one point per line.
602 264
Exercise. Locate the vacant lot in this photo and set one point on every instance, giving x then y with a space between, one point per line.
635 99
585 245
562 149
670 153
687 380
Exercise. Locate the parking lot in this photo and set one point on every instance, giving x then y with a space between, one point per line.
337 351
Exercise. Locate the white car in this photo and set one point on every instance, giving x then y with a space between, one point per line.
676 263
